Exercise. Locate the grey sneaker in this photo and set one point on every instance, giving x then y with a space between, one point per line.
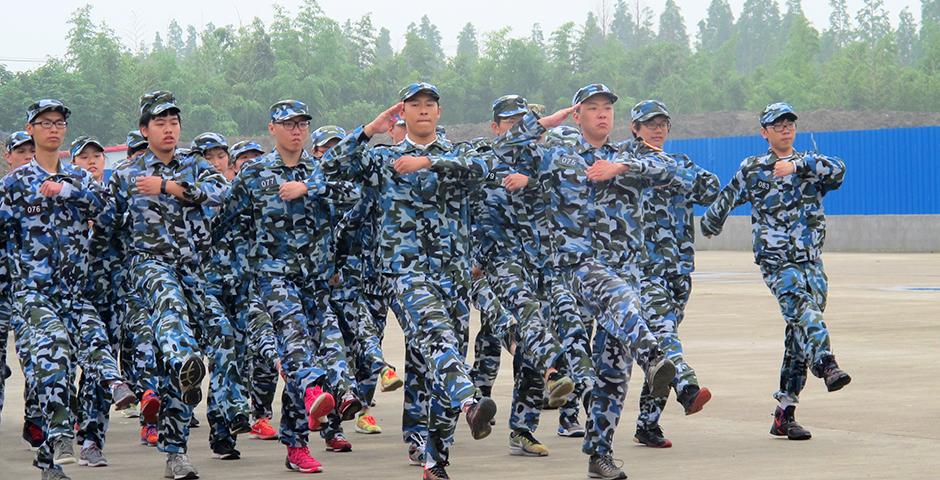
659 376
570 427
121 396
92 457
605 467
178 467
54 474
62 453
523 444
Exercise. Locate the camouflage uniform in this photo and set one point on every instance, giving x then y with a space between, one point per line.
666 281
597 240
423 253
789 229
289 257
48 251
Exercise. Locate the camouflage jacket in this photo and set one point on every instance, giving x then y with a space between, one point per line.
161 227
285 238
600 221
788 223
422 218
48 236
668 222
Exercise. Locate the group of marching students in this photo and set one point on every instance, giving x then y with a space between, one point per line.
247 265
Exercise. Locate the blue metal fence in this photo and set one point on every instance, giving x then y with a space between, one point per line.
888 172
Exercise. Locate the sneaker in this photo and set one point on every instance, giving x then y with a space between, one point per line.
651 437
349 407
132 411
557 389
149 435
437 472
262 430
604 466
189 380
693 398
121 395
54 474
523 444
92 457
338 444
150 407
660 375
546 406
835 377
366 424
299 460
33 435
318 404
570 427
239 424
62 453
178 467
194 422
479 415
226 453
416 455
389 381
785 425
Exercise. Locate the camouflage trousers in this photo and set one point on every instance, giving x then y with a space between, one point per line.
138 347
228 394
11 320
169 294
664 300
64 328
362 330
94 400
801 290
262 358
495 322
434 315
613 367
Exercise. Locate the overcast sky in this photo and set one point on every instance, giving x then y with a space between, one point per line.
23 47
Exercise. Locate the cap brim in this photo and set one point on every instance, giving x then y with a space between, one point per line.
778 117
513 113
293 116
163 107
652 115
16 145
327 140
428 91
81 148
51 108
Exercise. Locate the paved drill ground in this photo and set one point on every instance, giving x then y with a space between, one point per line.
884 316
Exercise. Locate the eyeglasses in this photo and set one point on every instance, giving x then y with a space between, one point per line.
658 125
289 125
782 126
48 124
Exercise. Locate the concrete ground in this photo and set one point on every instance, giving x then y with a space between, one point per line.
884 316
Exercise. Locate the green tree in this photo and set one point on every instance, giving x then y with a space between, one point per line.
672 25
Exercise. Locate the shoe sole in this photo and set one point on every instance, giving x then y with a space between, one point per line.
263 437
65 461
522 452
661 379
226 456
775 433
321 407
395 385
704 395
188 476
621 476
570 434
339 450
839 383
486 409
666 444
296 468
559 395
150 411
190 380
86 463
368 432
124 402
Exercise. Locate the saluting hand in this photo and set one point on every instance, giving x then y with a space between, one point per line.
292 190
385 121
515 182
410 164
557 118
783 168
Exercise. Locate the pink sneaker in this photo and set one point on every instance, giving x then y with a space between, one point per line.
318 404
299 460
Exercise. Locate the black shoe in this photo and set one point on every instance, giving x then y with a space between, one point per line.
240 424
436 472
651 437
693 398
226 453
478 417
835 377
194 422
785 425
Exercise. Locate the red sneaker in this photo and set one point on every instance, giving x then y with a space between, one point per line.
263 430
318 404
299 460
149 435
150 407
338 444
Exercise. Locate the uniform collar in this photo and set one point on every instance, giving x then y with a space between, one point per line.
60 167
306 160
583 146
409 145
151 160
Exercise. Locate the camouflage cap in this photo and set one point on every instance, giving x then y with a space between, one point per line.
774 111
243 147
207 141
648 109
416 88
79 144
589 91
46 105
510 106
155 103
288 109
16 139
136 141
564 135
324 134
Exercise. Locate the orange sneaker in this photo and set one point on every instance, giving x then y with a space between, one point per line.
263 430
389 380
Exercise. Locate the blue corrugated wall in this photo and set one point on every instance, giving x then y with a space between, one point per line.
888 172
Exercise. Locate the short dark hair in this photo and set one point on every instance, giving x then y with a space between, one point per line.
146 117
